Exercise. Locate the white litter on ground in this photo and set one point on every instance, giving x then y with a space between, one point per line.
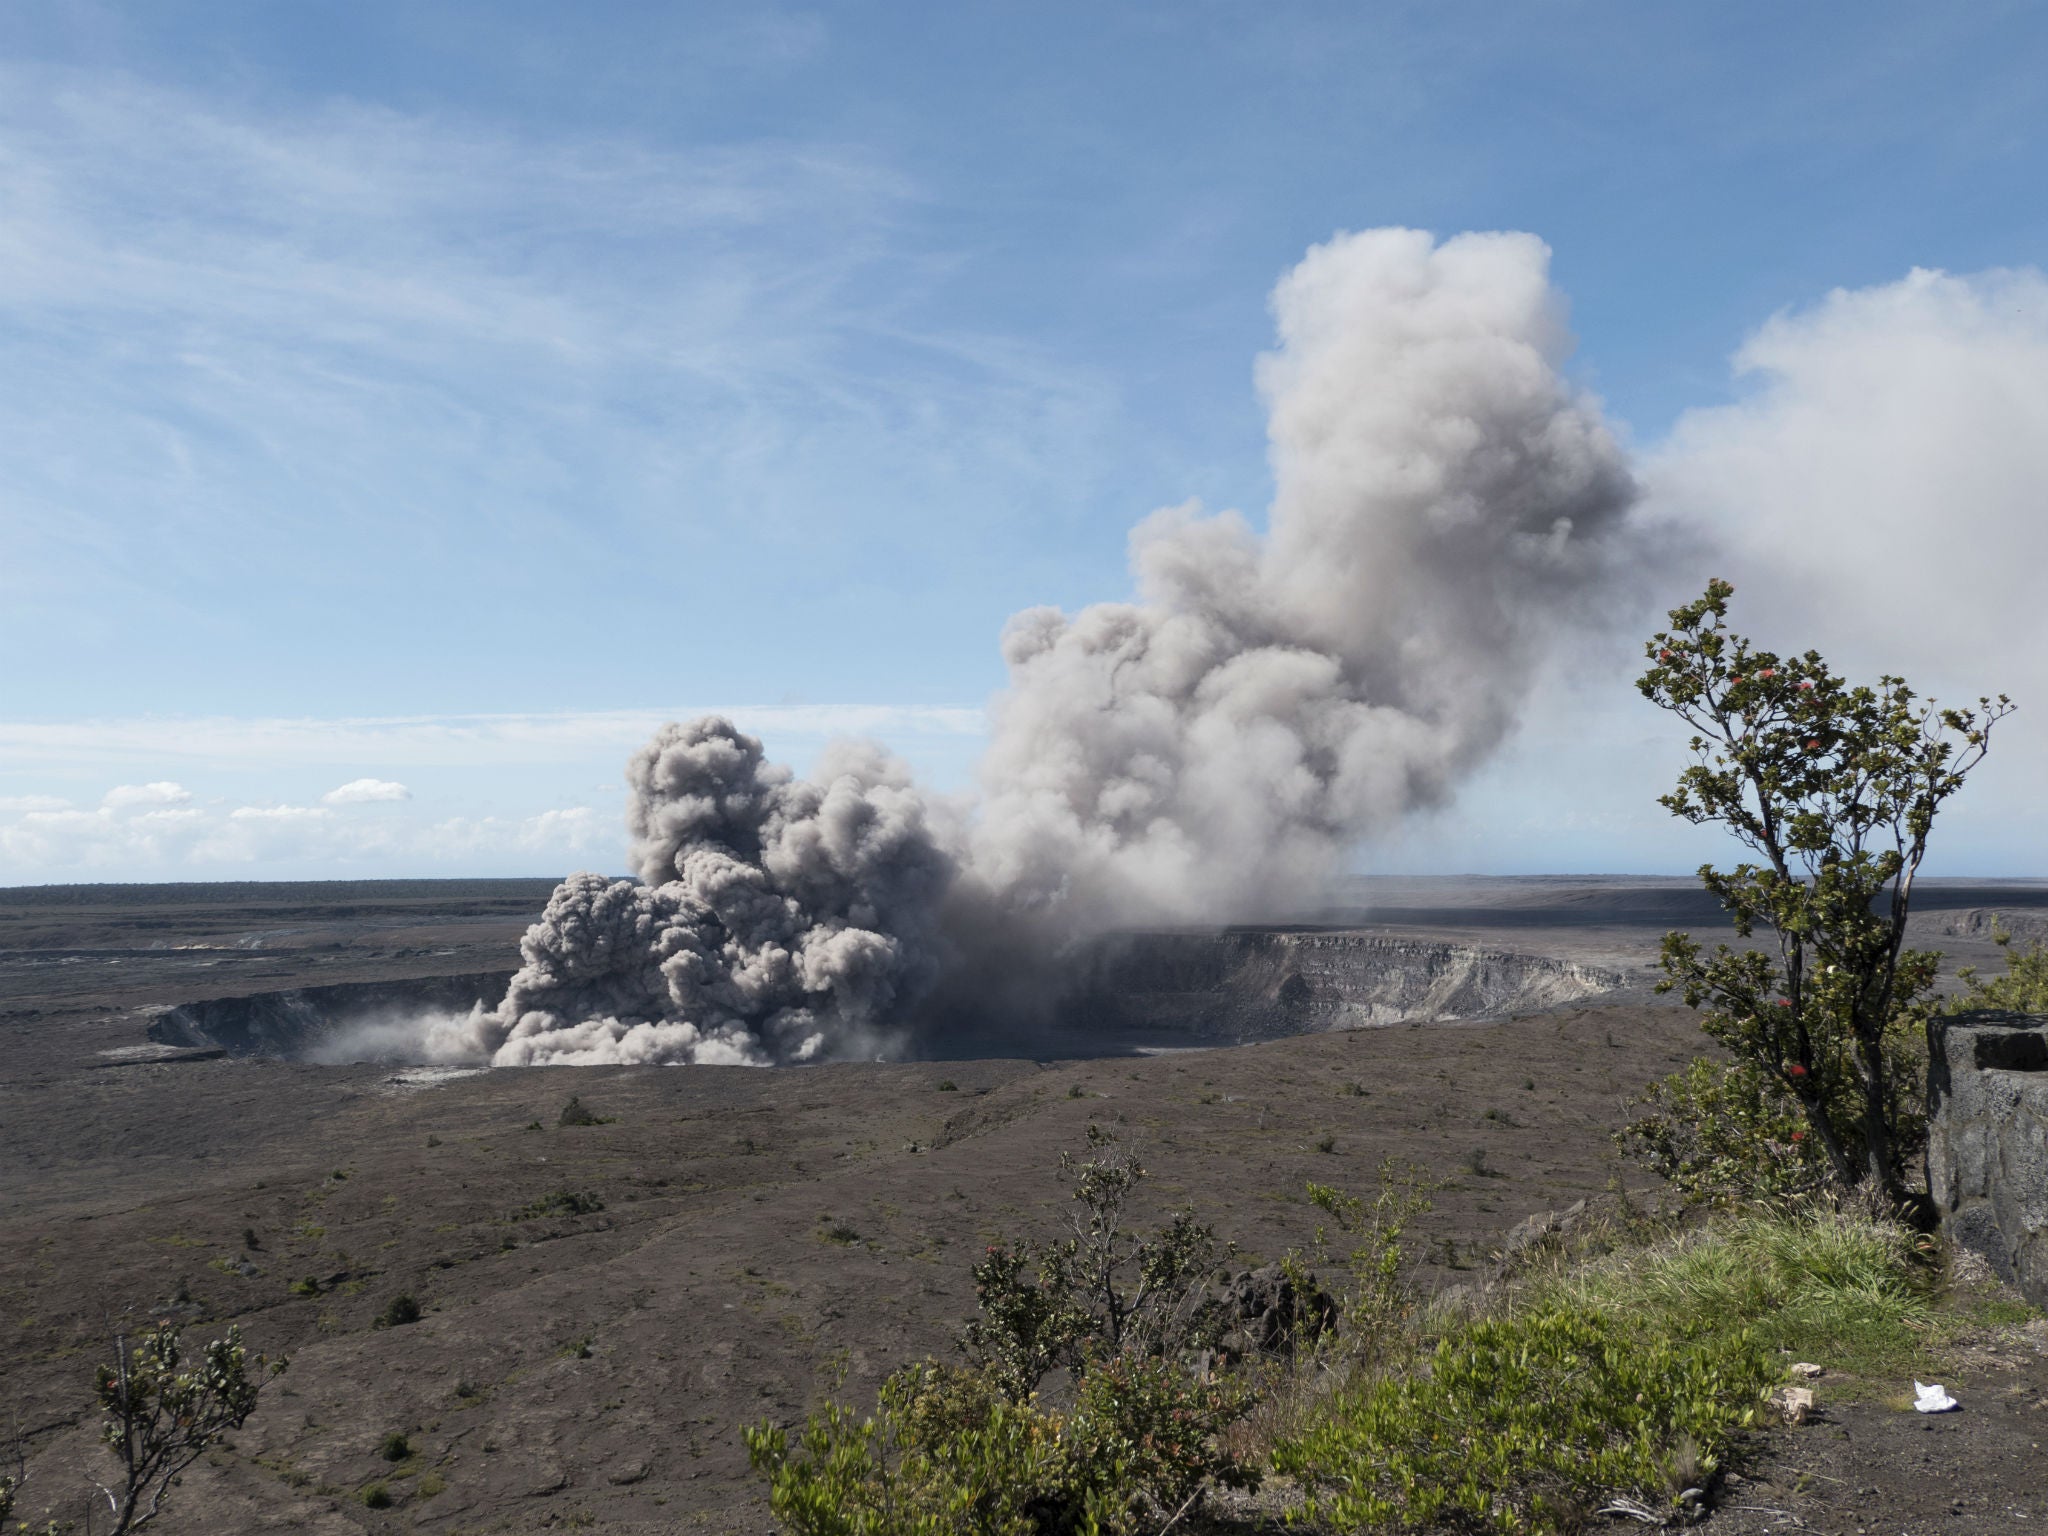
1932 1399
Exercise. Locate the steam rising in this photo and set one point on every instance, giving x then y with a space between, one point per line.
1445 503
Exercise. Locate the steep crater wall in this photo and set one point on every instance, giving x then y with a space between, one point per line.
293 1025
1263 983
1132 991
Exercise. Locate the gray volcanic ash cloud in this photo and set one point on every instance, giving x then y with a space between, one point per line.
774 917
1443 502
1445 506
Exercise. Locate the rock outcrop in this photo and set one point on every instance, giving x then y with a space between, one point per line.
1987 1142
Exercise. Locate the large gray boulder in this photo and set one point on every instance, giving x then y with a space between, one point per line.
1987 1141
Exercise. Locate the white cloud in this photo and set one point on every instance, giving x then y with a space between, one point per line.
1883 491
162 792
365 792
460 741
294 841
13 803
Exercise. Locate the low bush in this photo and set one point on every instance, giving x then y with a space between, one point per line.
1118 1317
400 1311
1724 1134
563 1202
1529 1422
1611 1383
2022 989
949 1451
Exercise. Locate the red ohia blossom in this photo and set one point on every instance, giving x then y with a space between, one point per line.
1795 1070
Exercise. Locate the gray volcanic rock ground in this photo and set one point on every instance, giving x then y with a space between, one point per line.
746 1242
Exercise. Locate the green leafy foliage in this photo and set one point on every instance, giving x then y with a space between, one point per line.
2022 989
1725 1134
1102 1292
977 1451
949 1453
1834 788
162 1414
1382 1295
1528 1423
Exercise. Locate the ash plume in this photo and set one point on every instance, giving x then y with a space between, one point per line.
1445 505
1443 502
772 915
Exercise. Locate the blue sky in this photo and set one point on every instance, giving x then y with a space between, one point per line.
437 394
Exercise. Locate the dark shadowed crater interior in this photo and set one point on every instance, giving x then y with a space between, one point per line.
1132 992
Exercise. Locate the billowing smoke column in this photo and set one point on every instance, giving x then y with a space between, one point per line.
1443 500
777 915
1444 504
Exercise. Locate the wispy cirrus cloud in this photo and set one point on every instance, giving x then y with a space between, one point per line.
289 841
438 740
244 345
366 792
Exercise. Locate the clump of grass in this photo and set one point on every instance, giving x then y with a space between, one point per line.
394 1446
1076 1091
563 1202
1809 1279
400 1311
840 1232
376 1496
1326 1143
309 1286
947 1085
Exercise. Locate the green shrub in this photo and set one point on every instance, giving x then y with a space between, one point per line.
2022 989
1102 1292
1528 1423
563 1202
376 1496
1723 1134
400 1311
950 1452
1383 1294
394 1446
975 1451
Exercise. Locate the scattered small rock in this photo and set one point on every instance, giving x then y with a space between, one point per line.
1795 1404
